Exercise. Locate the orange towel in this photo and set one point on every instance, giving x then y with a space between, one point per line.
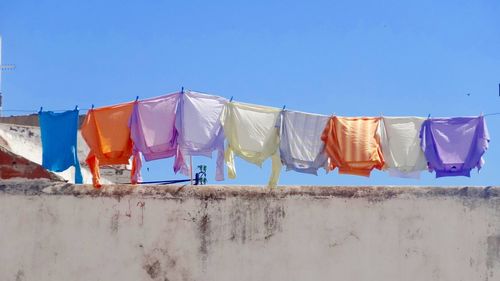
353 144
107 134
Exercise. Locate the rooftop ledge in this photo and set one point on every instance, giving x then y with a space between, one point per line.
221 192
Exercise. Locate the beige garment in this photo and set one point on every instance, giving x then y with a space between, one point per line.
401 146
252 134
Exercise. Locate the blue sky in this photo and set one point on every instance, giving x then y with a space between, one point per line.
345 57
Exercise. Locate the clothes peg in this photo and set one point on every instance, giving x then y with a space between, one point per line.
136 98
92 106
76 107
41 109
429 116
182 90
284 106
231 99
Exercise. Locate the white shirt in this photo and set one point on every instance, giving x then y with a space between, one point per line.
199 127
301 147
400 137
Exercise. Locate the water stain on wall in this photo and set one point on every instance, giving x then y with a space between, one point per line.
349 236
160 265
46 214
20 275
257 219
493 251
153 269
273 217
204 230
115 222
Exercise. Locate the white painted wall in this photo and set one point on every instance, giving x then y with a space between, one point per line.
248 233
26 142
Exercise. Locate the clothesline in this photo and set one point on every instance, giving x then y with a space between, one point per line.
86 109
164 182
491 114
36 111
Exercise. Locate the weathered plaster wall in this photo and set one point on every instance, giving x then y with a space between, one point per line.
64 232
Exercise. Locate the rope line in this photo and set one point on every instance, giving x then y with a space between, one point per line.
86 109
36 111
164 182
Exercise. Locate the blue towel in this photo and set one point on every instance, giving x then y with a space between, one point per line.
59 135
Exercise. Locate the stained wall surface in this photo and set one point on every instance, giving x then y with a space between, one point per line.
60 231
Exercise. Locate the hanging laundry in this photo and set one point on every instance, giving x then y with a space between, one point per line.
107 134
59 138
252 134
353 144
301 147
401 146
153 131
200 129
454 146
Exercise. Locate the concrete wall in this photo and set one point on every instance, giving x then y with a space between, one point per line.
58 231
